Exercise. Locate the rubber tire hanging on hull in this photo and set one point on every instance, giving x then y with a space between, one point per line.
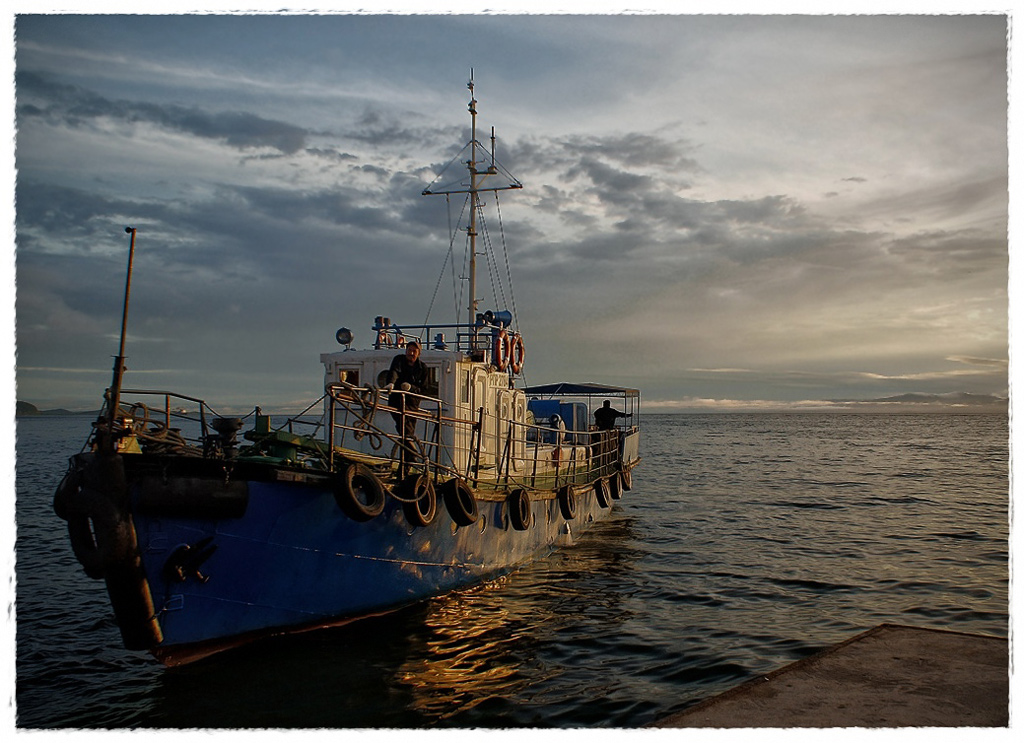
93 497
359 493
519 512
627 479
601 492
101 536
459 500
67 491
567 502
419 501
615 486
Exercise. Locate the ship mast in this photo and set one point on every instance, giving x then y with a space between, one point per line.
474 203
477 177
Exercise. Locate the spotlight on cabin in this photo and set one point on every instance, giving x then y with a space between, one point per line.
344 337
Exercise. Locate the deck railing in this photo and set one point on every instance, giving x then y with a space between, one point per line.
485 450
489 452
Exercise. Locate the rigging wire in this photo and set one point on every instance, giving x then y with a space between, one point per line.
450 254
508 266
497 286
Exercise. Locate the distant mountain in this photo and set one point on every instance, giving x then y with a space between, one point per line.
923 402
27 409
948 398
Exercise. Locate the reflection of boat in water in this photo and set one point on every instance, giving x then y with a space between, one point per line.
394 493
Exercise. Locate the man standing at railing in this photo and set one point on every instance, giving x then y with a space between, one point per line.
409 374
605 416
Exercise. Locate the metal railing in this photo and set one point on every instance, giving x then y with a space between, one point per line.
485 450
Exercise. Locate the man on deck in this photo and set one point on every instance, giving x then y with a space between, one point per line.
605 416
408 374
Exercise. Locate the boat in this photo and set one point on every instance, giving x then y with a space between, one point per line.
211 530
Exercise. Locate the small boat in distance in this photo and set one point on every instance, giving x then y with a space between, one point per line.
423 468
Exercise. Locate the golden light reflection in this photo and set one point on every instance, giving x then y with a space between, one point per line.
468 656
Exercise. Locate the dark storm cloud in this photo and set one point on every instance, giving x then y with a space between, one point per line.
379 127
634 149
946 200
952 253
59 103
607 181
62 212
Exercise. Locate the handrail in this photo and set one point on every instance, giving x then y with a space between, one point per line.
490 451
576 455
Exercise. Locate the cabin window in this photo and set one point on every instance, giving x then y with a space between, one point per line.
349 376
432 385
466 386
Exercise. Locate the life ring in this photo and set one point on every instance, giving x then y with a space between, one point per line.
101 536
419 501
518 355
359 493
459 500
615 486
501 351
601 492
519 512
567 502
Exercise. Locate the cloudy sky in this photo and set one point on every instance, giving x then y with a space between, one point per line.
723 210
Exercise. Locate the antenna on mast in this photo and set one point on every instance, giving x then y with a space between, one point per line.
492 170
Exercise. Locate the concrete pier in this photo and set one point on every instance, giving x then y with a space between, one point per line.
889 676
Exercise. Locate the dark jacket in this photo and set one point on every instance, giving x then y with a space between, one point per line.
402 372
605 418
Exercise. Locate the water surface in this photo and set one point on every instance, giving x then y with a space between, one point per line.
747 542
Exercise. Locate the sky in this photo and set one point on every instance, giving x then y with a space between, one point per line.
726 211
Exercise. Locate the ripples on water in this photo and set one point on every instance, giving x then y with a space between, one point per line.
747 542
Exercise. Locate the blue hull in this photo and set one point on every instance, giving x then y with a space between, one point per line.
294 560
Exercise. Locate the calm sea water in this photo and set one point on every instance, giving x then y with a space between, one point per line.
747 542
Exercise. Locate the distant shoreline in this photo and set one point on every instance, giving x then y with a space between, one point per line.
28 410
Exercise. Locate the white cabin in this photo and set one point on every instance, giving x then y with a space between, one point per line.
457 385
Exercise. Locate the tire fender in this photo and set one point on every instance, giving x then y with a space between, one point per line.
519 512
419 501
459 500
567 502
101 536
359 493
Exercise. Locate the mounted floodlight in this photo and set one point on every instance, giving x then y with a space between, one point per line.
344 337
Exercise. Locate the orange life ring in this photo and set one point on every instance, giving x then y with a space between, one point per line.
518 355
502 350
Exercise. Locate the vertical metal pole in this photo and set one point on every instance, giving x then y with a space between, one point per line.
115 386
330 431
472 207
479 443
